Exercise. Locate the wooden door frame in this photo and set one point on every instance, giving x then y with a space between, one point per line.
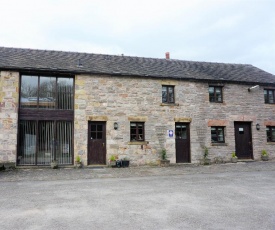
105 135
189 140
250 136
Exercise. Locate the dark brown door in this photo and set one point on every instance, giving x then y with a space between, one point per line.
182 143
96 143
243 140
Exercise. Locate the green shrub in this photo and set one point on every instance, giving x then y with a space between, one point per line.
206 152
163 154
264 152
78 159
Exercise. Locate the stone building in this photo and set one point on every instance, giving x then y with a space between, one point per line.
58 105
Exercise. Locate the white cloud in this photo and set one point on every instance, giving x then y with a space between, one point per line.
213 30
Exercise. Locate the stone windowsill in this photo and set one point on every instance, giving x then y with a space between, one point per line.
219 144
270 143
169 104
138 142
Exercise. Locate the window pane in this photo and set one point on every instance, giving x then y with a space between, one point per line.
273 133
29 91
47 145
164 94
27 142
220 135
268 134
47 92
218 94
171 94
211 94
99 127
265 96
99 135
65 93
181 132
214 137
93 135
93 127
270 96
64 138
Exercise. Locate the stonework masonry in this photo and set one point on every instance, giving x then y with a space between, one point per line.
121 99
125 99
9 87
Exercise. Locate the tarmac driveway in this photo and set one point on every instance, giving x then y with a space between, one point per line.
218 200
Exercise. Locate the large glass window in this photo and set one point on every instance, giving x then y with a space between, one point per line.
46 92
40 142
45 120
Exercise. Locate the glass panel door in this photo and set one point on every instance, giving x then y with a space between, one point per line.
27 142
64 140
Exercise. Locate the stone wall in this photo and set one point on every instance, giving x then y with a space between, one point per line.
121 99
9 83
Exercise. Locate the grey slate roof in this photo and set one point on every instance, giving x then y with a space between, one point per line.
58 61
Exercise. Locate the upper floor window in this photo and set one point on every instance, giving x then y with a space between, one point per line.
269 96
168 95
137 131
46 92
215 94
270 133
217 134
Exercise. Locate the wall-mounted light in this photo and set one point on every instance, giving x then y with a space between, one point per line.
258 126
253 87
115 126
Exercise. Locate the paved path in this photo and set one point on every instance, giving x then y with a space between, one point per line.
70 173
226 196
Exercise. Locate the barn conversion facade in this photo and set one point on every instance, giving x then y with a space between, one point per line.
58 105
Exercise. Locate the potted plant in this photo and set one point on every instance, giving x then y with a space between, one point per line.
112 160
125 162
206 160
264 155
164 161
78 162
234 158
54 164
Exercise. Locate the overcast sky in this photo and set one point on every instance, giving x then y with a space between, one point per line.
230 31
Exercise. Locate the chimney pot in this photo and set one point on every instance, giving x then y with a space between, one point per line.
167 55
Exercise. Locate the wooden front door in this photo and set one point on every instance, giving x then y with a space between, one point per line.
96 143
182 132
243 140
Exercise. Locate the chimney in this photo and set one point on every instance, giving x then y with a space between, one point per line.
167 55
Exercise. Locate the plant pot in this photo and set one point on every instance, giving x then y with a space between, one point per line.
234 159
78 165
264 157
206 161
164 163
112 163
54 165
125 163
